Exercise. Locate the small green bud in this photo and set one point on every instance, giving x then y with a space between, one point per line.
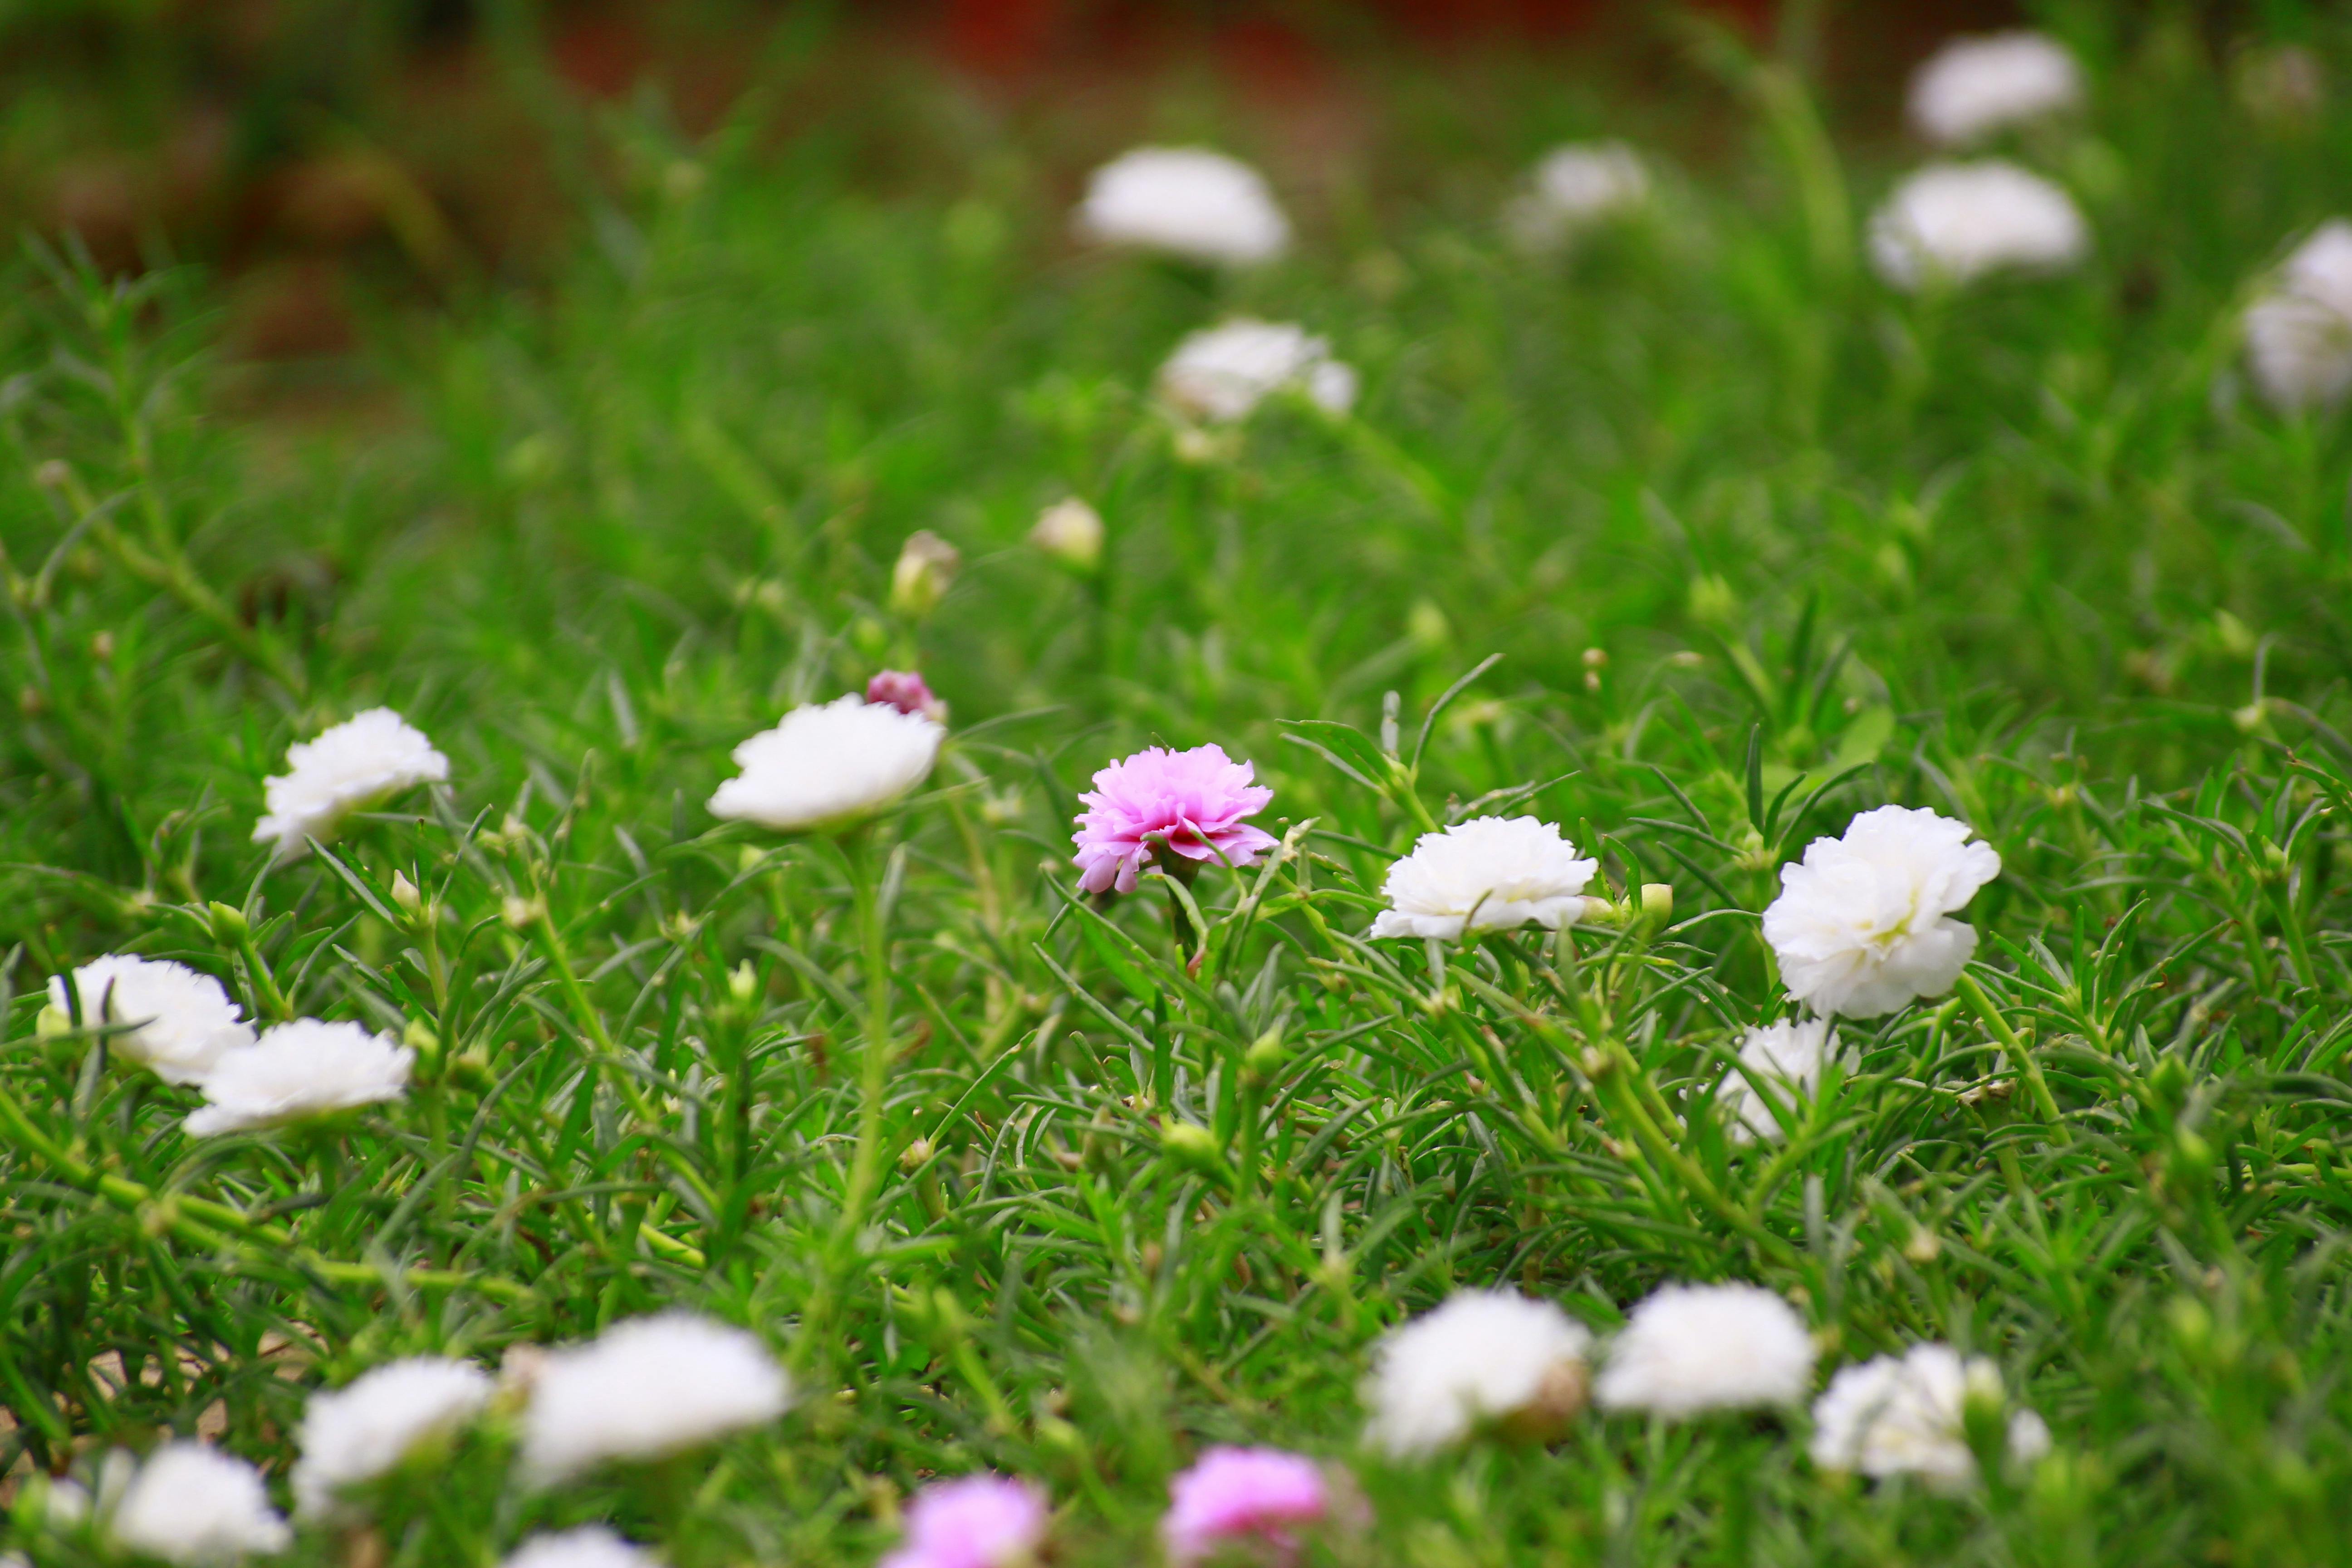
1265 1055
404 894
229 925
742 984
926 569
54 1021
1189 1144
1657 902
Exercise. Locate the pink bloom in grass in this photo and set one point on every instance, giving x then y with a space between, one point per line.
978 1521
904 690
1191 802
1256 1495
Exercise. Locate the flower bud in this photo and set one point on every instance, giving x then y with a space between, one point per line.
927 567
742 984
1712 601
404 894
1265 1055
229 925
54 1021
906 690
1070 532
517 912
1189 1144
1657 902
915 1155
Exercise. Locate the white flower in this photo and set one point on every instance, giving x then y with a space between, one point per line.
1861 928
299 1070
1973 87
1574 188
1693 1348
589 1546
1490 873
2299 334
829 764
1953 223
647 1387
184 1020
1482 1356
1905 1416
1789 1053
1072 532
1187 200
354 1435
191 1503
358 765
1223 372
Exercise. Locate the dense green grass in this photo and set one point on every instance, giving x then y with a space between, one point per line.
1731 514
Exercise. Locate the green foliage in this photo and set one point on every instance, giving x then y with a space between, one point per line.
1004 1177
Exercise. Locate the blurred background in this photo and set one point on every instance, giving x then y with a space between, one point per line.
329 159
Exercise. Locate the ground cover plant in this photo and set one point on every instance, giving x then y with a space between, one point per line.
731 1147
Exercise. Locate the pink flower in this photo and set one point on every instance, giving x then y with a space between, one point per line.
979 1521
1191 802
904 690
1236 1493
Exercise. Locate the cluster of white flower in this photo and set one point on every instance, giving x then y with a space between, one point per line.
1490 873
1188 202
1223 372
1575 188
1972 88
1788 1056
355 766
359 1433
2299 333
182 1027
1951 224
646 1388
1497 1362
829 764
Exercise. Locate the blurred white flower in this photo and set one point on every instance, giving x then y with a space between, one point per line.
926 569
2299 334
184 1019
1482 1356
588 1546
354 1435
1791 1053
1954 223
1072 532
1223 372
1905 1416
1694 1348
189 1503
1188 201
1574 188
1861 927
646 1388
297 1071
1973 87
1490 873
358 765
827 765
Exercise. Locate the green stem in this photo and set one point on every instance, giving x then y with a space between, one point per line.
2027 1068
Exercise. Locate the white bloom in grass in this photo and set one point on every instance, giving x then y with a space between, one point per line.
1694 1348
357 766
1954 223
1187 201
1789 1053
1575 188
354 1435
1862 926
589 1546
1490 873
646 1388
1973 87
1485 1356
1224 372
191 1503
2299 334
184 1019
299 1071
826 764
1905 1416
1072 532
